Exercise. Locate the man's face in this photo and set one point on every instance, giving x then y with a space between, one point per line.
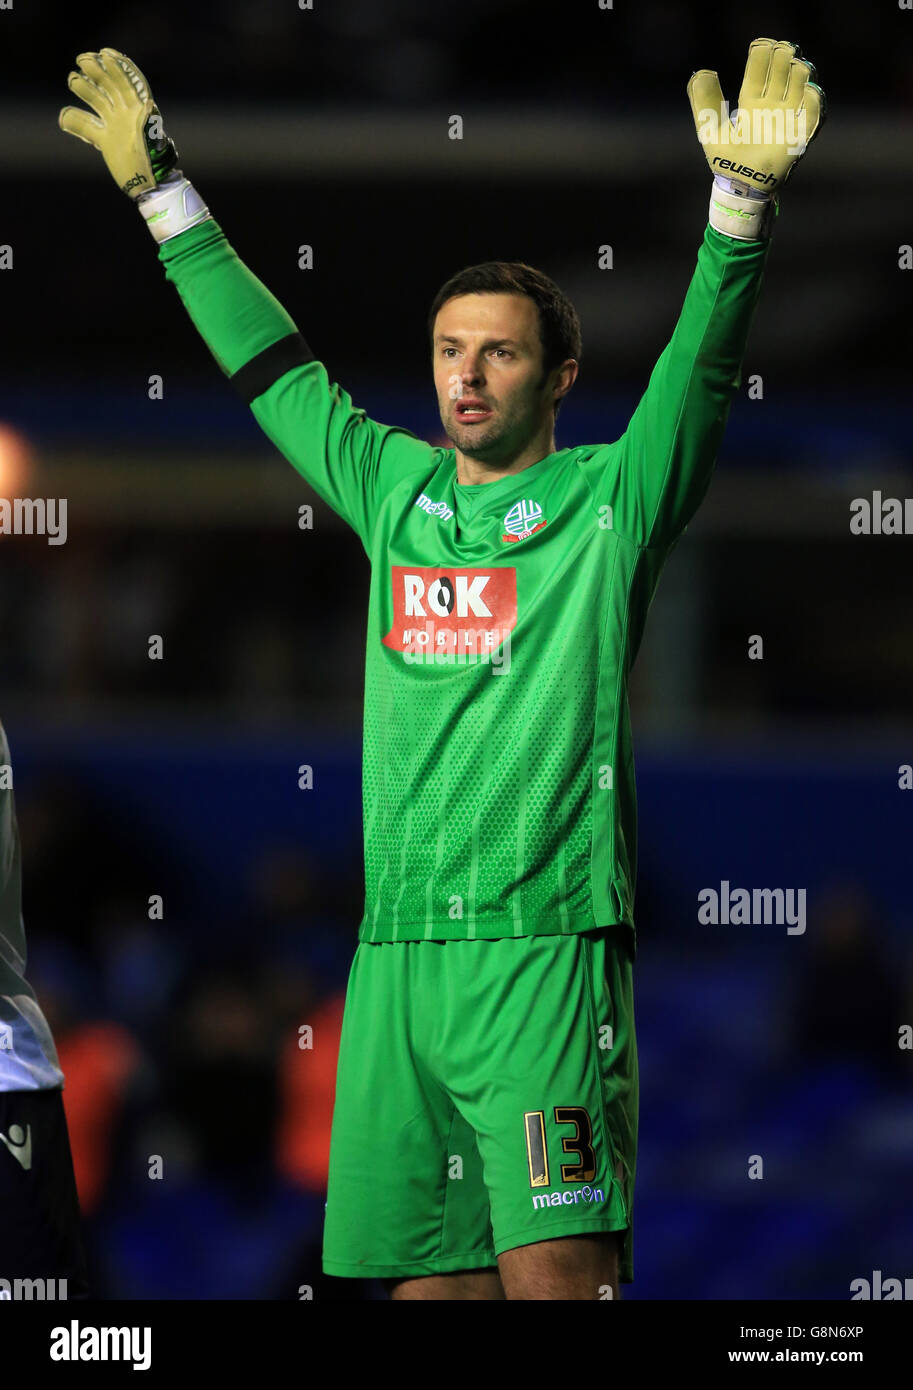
487 348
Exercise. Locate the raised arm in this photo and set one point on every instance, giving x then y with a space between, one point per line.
664 461
349 459
656 475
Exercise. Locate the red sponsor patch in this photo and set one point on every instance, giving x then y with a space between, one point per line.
451 610
524 534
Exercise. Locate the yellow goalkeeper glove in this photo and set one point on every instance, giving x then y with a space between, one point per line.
753 153
125 126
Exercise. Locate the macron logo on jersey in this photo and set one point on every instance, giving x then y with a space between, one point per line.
439 509
451 610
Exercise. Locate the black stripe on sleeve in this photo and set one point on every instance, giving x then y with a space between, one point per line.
258 375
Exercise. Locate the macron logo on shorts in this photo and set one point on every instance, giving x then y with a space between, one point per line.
19 1145
567 1198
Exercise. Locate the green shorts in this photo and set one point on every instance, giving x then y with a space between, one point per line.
486 1098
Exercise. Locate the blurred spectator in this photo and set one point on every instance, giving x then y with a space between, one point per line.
849 1001
101 1062
219 1221
299 912
79 859
308 1090
222 1077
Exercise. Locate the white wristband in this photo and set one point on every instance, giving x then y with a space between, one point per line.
172 207
741 212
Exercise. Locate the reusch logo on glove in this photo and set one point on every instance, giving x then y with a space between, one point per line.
743 170
134 182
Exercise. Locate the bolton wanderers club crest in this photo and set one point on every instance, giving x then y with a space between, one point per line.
522 520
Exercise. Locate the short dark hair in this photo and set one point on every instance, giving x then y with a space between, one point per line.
559 325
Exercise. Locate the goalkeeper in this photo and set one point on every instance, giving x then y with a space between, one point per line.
485 1128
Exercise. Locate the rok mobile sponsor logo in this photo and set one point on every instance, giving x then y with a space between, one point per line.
522 520
443 617
439 509
568 1198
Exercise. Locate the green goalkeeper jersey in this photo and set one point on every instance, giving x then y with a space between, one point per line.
504 617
